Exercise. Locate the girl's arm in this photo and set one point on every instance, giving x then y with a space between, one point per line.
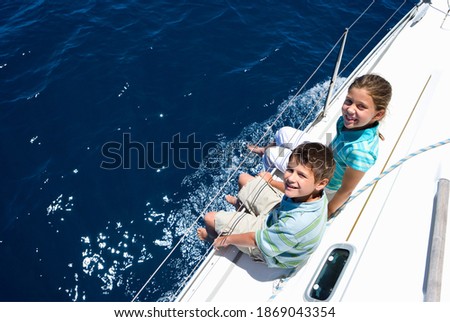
245 240
349 182
274 183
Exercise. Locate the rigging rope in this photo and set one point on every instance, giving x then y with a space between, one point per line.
374 35
354 57
221 189
391 168
282 281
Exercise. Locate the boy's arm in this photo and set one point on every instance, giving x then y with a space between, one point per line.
245 240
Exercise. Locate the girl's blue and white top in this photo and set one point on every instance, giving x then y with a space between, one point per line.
357 149
292 232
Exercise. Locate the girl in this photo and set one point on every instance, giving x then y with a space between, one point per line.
355 146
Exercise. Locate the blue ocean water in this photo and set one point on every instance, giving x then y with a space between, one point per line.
121 122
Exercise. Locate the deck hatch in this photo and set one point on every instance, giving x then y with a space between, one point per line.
329 275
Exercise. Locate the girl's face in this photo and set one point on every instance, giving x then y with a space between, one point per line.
359 110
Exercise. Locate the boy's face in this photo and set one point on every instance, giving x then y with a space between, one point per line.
299 183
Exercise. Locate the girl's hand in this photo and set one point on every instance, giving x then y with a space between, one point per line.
266 176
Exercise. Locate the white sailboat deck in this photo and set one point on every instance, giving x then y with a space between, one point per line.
388 226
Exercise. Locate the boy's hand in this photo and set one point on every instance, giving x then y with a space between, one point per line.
220 242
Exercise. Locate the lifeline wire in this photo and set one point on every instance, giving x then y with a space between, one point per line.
245 159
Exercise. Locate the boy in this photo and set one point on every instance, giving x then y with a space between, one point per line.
281 231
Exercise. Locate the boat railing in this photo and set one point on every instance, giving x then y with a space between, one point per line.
435 262
386 40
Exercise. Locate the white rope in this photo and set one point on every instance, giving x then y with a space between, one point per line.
283 281
390 169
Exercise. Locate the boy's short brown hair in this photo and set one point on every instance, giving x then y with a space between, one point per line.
316 156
